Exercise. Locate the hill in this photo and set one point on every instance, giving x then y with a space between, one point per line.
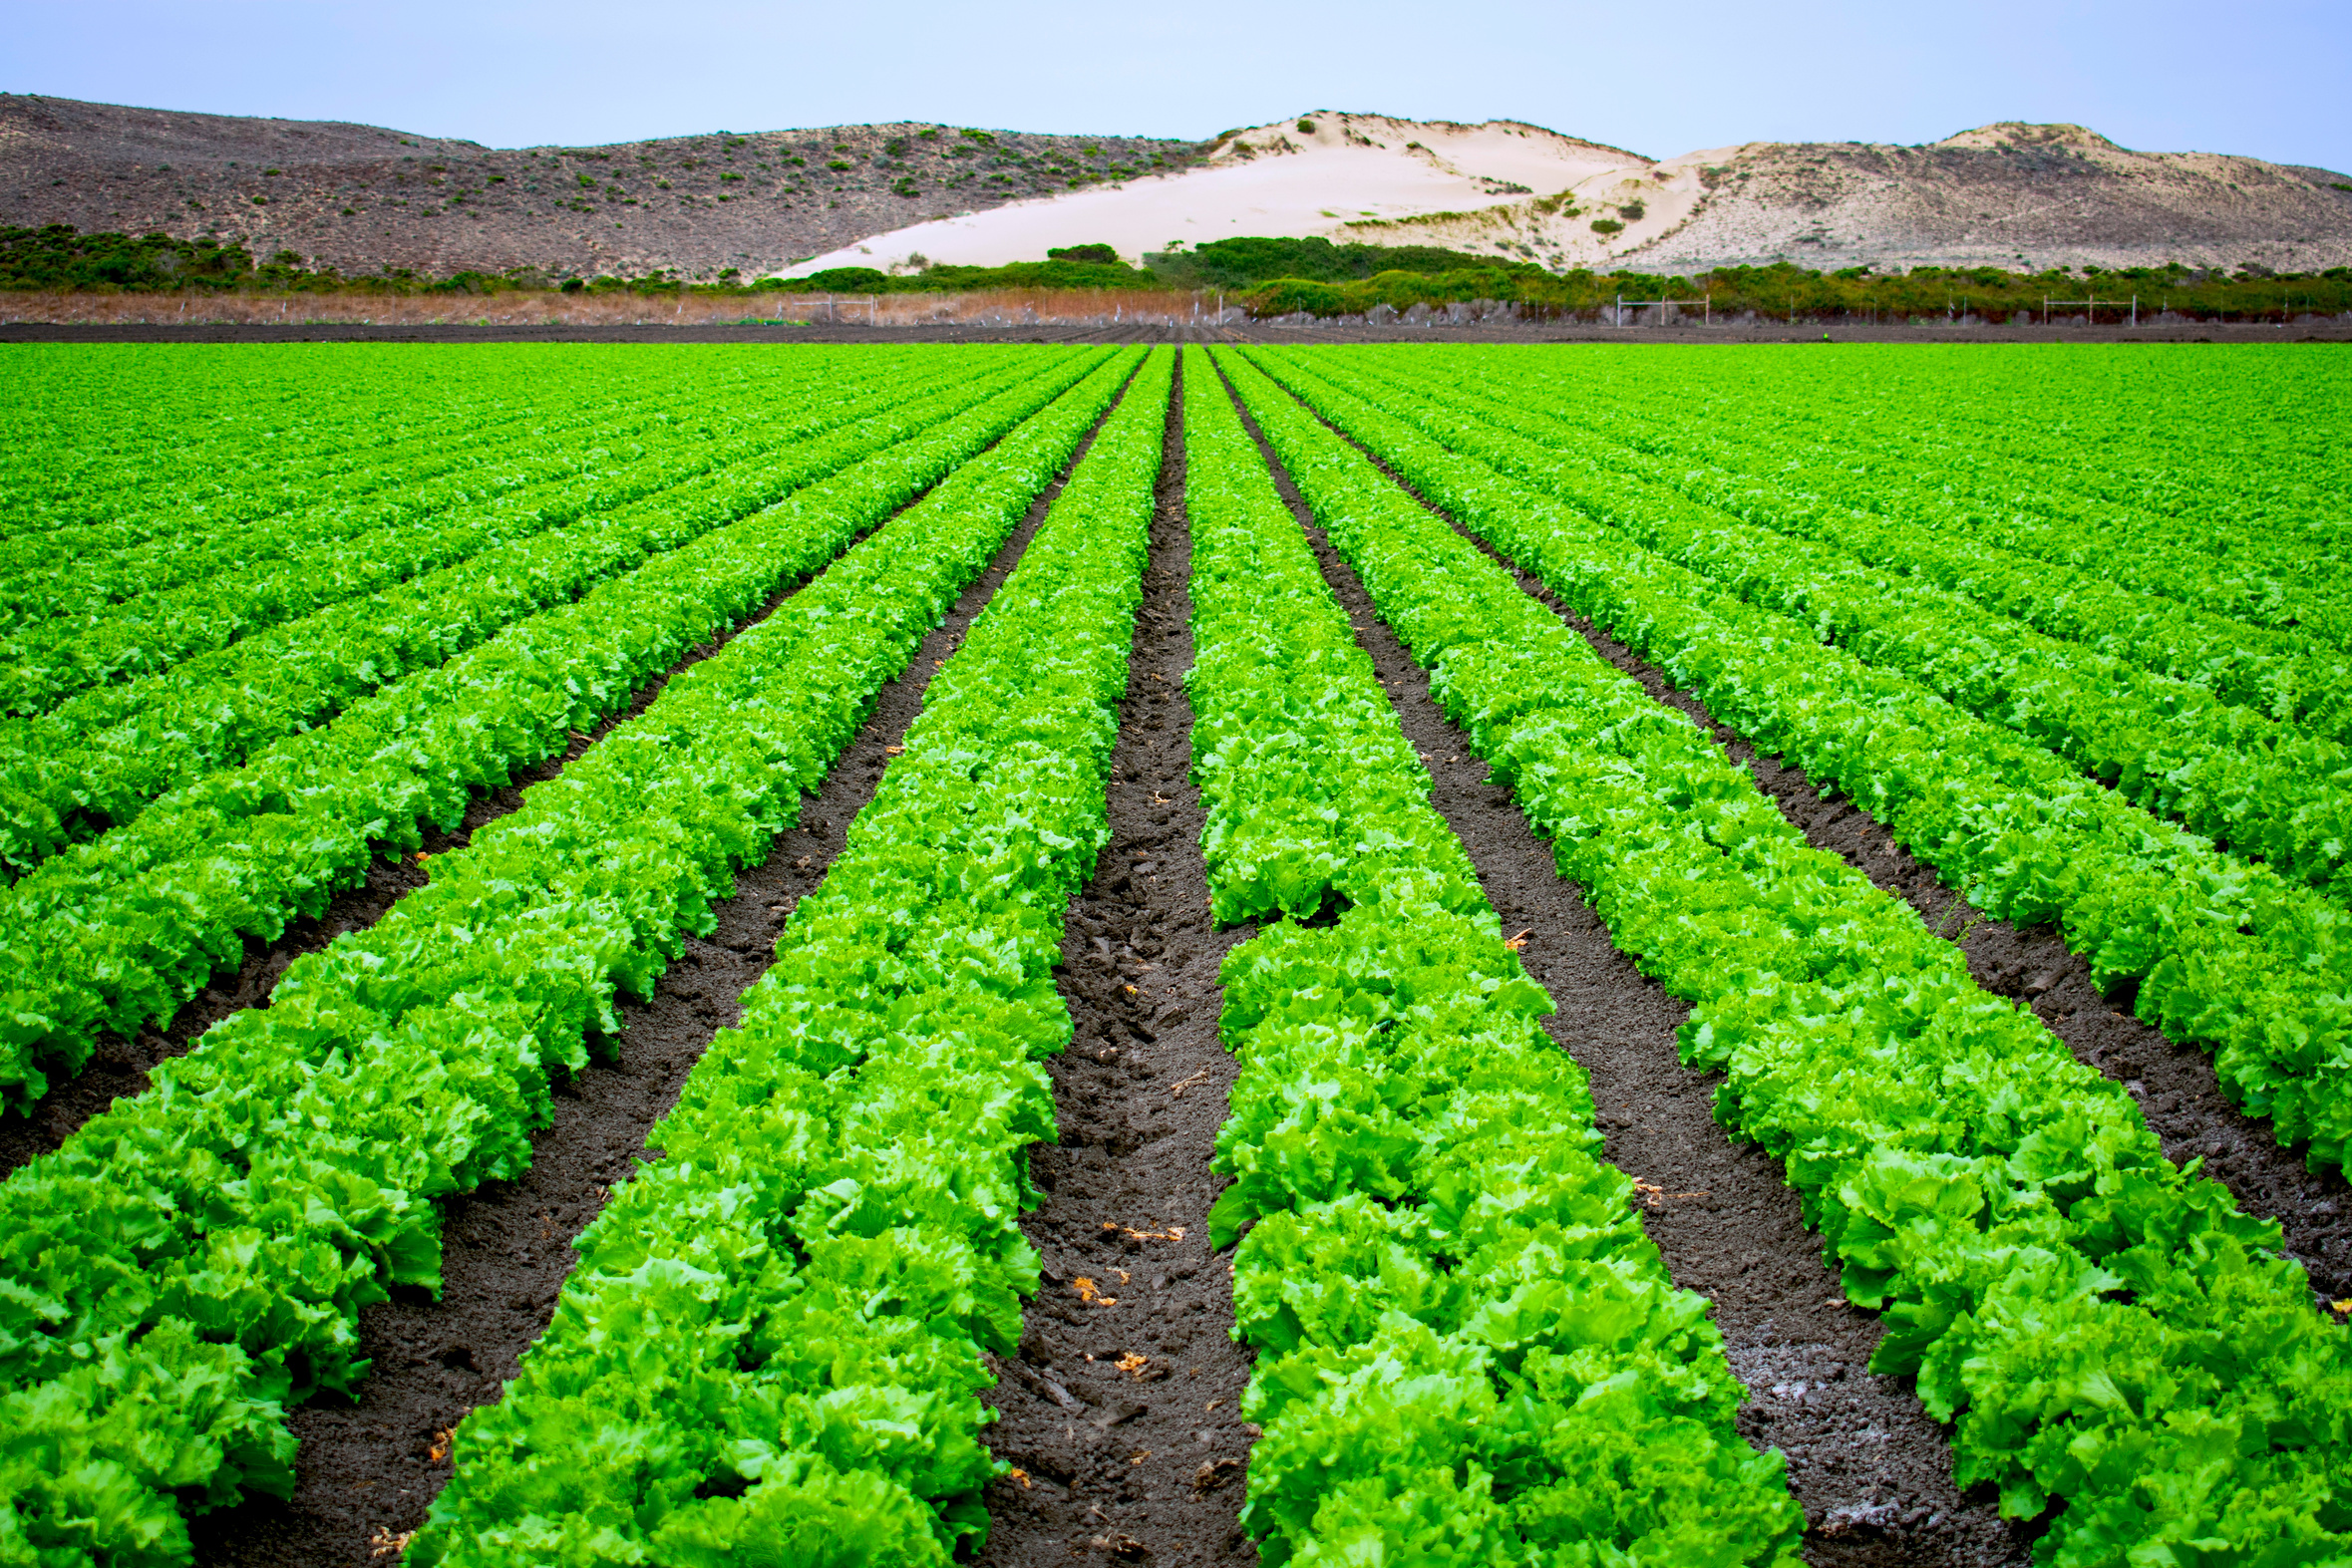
2013 196
362 198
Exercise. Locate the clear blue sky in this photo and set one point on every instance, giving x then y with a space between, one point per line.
1660 80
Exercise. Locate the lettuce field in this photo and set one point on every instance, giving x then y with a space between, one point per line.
1391 955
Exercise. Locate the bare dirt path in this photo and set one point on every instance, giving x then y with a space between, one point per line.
1121 1409
1870 1468
367 1471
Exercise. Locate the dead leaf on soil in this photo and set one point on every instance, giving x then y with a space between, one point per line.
386 1544
1016 1474
1658 1197
1138 1457
1172 1233
1115 1545
441 1445
1213 1474
1132 1364
1519 941
1090 1296
892 750
2344 1306
1176 1089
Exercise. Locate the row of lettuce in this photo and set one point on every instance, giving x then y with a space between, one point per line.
2208 488
2277 789
111 933
249 490
772 1348
1467 1348
91 619
1469 1351
1892 527
108 451
271 653
2108 1331
191 1261
2223 950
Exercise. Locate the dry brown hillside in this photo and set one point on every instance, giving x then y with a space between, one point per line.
362 198
2004 195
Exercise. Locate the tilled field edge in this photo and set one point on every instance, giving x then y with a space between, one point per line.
852 331
1870 1468
1120 1411
366 1471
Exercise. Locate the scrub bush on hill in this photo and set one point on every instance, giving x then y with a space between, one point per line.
946 280
1396 289
1250 261
60 258
863 280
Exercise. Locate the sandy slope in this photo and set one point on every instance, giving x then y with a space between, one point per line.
1273 179
2005 194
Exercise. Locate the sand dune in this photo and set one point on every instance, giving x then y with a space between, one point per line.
1272 179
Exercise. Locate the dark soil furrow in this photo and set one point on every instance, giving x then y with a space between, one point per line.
1120 1412
1871 1469
367 1471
